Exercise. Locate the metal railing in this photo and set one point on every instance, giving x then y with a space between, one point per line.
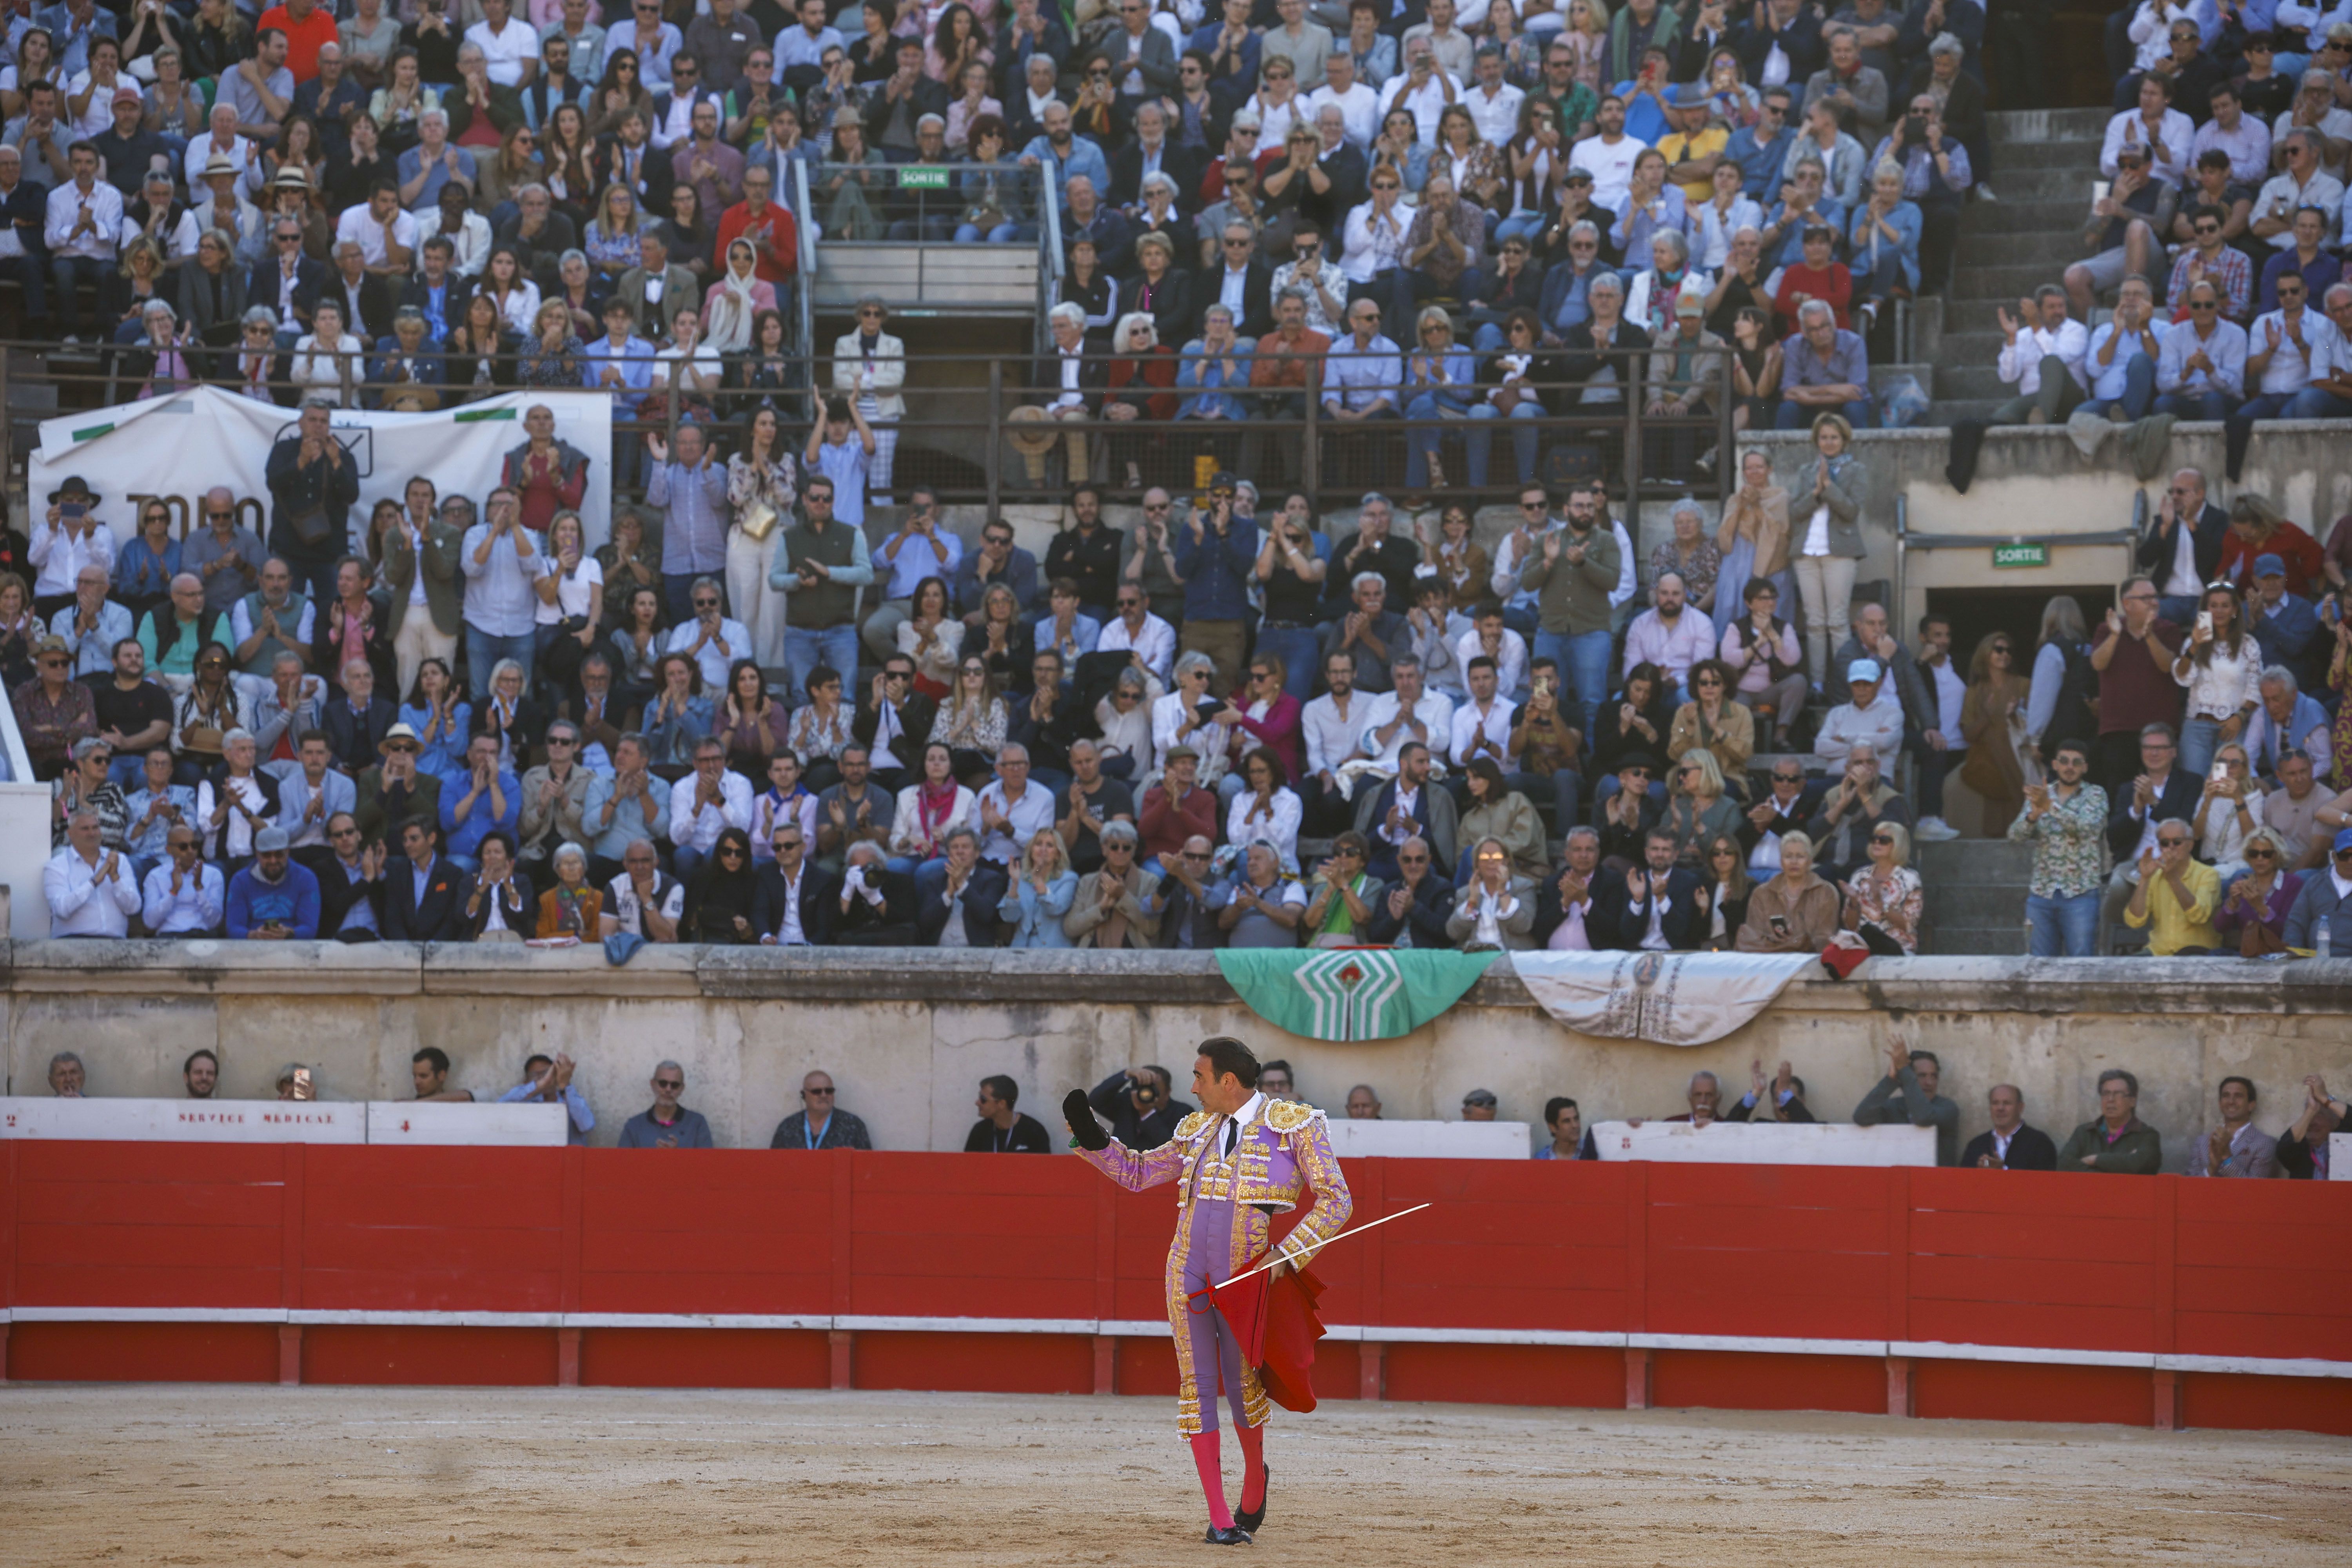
976 432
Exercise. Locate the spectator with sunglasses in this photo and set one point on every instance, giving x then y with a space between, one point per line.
2175 896
2323 908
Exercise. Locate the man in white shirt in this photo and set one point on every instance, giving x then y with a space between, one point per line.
1609 155
2156 125
705 804
1148 641
1872 717
784 881
1494 102
1012 810
223 141
84 222
2042 354
183 896
511 47
90 889
644 901
65 547
1450 44
1580 879
2287 350
2122 378
806 45
1785 810
712 639
1482 725
385 234
1359 105
1490 638
1331 726
1423 89
1394 719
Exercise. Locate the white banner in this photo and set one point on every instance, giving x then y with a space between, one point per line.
184 1120
1765 1143
1665 998
179 447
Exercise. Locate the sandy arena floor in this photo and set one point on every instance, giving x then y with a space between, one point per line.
256 1475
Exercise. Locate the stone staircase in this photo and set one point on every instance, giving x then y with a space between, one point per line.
2044 164
1975 892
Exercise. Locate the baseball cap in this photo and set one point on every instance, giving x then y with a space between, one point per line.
1863 670
269 841
2268 566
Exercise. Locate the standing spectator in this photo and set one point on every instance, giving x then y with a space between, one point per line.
2237 1147
1216 556
2010 1145
2134 652
500 564
691 490
1907 1093
820 565
868 367
2064 820
2116 1140
666 1124
313 484
1002 1129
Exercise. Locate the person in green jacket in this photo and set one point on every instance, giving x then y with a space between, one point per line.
2116 1139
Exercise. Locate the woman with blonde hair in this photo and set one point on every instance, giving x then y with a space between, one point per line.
1795 912
1587 37
1494 908
2253 910
1881 900
611 237
1698 809
2228 812
1143 386
1753 539
1992 725
1040 895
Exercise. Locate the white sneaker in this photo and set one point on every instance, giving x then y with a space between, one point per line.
1935 830
1984 193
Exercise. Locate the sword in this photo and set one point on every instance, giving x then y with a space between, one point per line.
1358 1230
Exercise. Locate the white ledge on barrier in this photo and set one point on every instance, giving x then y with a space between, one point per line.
1372 1140
2339 1156
1765 1143
183 1121
455 1123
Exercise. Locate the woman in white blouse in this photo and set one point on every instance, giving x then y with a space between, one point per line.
509 288
2221 666
328 361
929 810
1266 810
1178 719
1125 719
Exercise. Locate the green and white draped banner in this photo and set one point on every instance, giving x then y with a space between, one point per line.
1351 994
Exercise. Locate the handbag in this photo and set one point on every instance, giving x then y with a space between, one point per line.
758 520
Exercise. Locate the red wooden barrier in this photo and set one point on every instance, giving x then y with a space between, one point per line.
1938 1292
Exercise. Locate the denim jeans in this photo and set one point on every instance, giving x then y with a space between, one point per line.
2139 390
2196 404
2311 403
1523 438
1300 652
2199 739
1431 415
1795 415
1583 661
806 647
2063 928
128 770
484 651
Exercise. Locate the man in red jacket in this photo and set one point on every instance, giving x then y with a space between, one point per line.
776 237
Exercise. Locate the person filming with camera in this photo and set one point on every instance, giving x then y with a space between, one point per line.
1136 1104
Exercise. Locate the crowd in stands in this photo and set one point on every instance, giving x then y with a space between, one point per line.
1220 725
1139 1109
2211 284
454 183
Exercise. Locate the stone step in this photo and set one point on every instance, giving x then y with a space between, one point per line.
2047 183
1972 344
2006 281
1948 411
1988 907
2053 248
2063 212
1964 380
1981 860
1974 940
2011 127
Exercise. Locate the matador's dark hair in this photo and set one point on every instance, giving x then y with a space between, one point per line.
1228 1055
